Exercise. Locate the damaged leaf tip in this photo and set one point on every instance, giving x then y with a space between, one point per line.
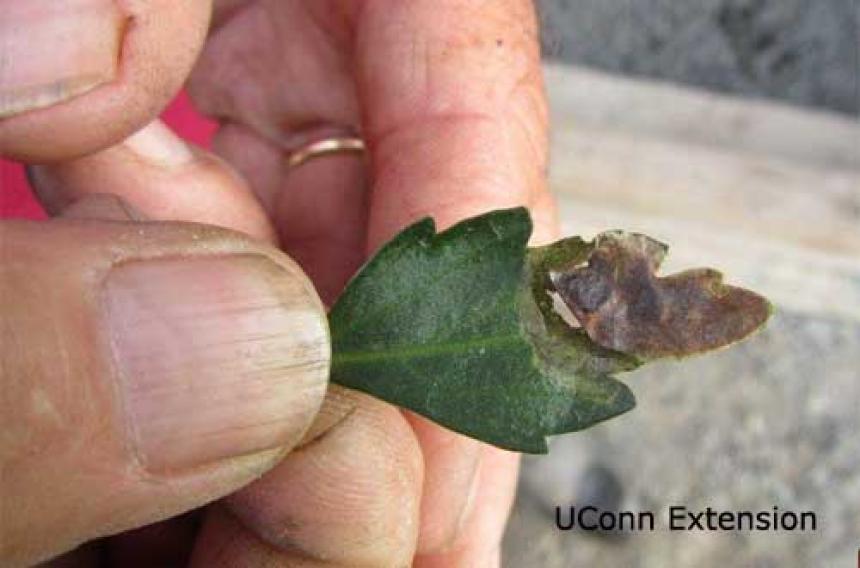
624 306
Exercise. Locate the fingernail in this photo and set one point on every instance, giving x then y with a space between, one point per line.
218 356
160 146
53 51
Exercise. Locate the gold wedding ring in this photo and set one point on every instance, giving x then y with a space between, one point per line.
325 147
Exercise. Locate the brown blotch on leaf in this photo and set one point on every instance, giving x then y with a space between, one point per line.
624 306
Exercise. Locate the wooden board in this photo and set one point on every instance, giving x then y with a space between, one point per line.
770 194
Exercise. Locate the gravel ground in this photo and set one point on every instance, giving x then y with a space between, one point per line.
772 422
800 51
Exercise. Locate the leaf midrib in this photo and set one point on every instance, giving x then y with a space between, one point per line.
424 350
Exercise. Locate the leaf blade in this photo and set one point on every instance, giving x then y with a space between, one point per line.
435 323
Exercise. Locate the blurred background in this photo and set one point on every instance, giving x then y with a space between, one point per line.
792 50
728 128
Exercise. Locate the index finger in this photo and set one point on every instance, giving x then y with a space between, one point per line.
454 110
78 76
456 119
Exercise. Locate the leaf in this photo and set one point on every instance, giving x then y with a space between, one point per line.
459 327
624 306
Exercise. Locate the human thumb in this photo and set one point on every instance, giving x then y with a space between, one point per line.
145 369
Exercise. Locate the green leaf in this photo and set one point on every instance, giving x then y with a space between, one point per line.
459 327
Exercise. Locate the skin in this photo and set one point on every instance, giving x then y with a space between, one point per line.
449 98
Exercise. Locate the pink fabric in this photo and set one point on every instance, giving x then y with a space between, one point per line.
16 199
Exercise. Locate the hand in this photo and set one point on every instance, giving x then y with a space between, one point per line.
448 97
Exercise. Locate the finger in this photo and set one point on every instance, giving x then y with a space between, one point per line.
105 207
167 543
456 121
457 125
169 180
147 369
479 541
298 89
319 209
349 498
162 177
80 75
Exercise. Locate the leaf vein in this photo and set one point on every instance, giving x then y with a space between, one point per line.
424 350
